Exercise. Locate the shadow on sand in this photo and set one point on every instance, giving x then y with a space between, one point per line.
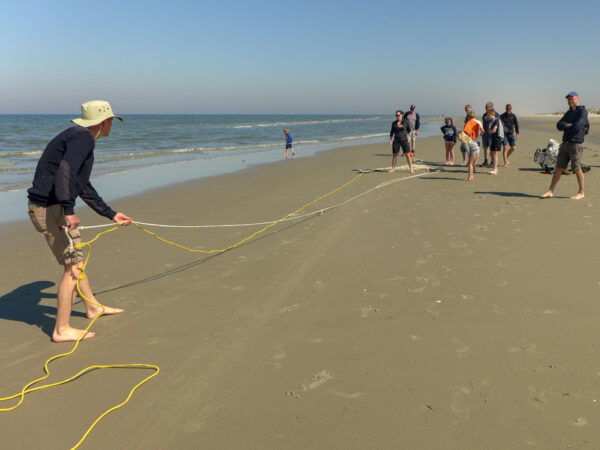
22 305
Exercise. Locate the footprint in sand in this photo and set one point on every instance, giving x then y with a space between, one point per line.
463 351
318 379
536 398
290 308
580 422
366 311
276 360
525 346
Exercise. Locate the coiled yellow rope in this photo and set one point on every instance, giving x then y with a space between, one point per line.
28 388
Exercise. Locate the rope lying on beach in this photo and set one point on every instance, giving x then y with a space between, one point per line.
290 216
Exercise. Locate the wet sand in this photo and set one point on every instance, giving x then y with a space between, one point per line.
428 313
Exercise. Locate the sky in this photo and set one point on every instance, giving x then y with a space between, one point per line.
305 57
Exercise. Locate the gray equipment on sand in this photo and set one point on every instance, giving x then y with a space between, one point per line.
547 157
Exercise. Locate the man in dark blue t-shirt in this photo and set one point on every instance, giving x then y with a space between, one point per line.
574 125
63 174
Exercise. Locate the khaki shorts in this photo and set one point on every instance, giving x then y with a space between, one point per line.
569 151
49 220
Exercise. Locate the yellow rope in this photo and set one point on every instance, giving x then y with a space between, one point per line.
28 387
246 239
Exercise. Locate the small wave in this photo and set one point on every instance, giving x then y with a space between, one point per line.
13 154
309 122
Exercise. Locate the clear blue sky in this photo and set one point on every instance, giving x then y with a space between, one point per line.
297 57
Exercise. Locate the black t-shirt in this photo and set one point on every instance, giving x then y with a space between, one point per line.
399 132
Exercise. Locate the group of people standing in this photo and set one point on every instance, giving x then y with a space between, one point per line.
498 132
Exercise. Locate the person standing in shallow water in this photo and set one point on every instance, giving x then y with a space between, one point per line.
63 174
574 124
288 143
399 139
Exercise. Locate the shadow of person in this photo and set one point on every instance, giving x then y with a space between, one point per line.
22 305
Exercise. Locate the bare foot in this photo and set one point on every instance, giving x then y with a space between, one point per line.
469 179
548 194
507 163
391 170
412 171
579 196
94 311
464 164
493 172
71 334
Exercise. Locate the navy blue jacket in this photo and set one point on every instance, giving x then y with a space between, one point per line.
579 119
63 173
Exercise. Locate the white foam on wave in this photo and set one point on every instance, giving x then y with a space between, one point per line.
309 122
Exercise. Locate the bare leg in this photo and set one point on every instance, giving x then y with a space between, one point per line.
409 161
465 157
505 155
579 195
550 193
472 162
293 153
494 170
451 153
63 332
394 160
510 152
91 309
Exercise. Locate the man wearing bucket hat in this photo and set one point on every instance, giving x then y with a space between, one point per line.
574 125
62 175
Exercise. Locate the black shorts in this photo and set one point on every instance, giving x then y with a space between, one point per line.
396 147
496 144
288 145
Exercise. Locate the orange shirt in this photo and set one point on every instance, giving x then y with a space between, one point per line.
473 128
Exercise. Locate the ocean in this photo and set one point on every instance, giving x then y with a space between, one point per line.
150 151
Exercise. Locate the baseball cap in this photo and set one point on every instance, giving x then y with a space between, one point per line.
412 106
572 94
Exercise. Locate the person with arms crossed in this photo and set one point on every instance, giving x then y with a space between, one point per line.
574 125
63 174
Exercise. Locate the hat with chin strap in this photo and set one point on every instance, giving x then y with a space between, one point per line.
95 112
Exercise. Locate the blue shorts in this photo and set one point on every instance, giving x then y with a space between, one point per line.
509 139
486 140
473 148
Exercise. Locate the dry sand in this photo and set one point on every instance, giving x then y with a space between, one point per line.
431 313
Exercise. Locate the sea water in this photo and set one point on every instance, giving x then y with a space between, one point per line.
150 151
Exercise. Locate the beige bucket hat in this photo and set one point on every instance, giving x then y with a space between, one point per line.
95 112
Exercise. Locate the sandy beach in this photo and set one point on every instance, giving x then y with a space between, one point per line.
429 313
